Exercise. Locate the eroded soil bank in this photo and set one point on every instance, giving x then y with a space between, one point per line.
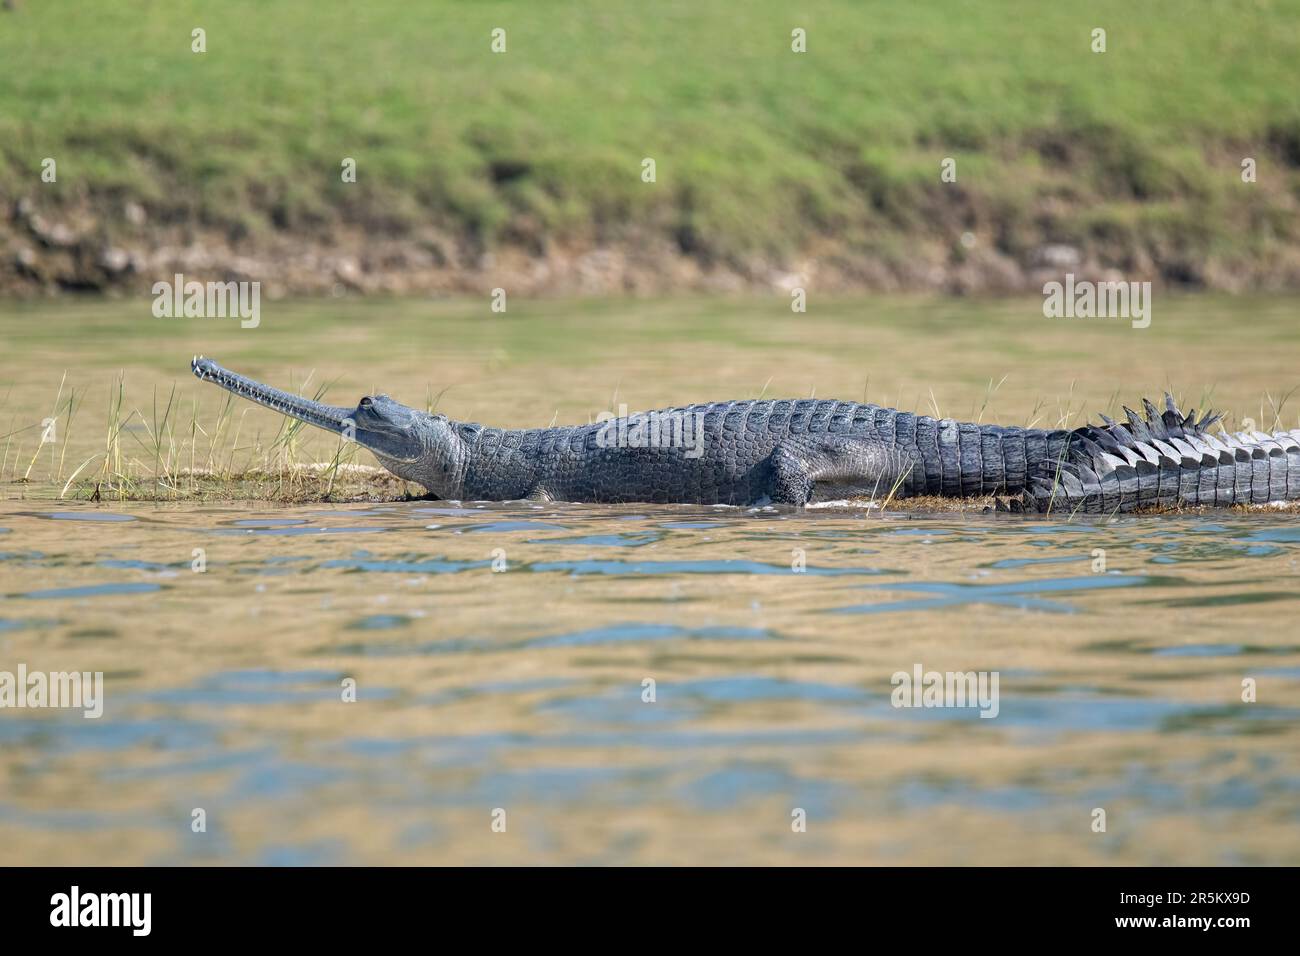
954 242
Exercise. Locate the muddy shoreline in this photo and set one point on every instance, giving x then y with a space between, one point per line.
324 483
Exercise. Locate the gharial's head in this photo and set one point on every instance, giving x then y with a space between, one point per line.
409 443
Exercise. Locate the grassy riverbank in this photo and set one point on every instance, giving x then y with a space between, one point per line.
524 168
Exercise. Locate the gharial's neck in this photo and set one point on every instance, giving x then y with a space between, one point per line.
443 466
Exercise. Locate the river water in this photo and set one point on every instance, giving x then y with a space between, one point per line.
646 685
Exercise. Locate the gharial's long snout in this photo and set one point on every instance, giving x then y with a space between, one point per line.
329 417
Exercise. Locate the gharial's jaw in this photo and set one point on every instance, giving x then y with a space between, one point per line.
409 443
329 417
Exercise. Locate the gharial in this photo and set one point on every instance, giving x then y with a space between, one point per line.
800 451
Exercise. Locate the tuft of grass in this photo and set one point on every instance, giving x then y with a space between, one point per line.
112 466
988 398
170 453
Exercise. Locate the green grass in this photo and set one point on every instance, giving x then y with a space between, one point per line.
759 150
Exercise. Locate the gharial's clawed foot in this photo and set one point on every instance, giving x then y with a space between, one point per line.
792 484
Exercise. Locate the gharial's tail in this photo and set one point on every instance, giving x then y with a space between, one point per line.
1165 460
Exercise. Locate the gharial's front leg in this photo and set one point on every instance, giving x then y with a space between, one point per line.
797 464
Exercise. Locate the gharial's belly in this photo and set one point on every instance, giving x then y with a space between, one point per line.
660 479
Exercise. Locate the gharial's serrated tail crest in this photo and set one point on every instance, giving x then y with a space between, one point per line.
1166 459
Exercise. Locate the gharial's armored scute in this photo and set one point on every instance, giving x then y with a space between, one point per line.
797 451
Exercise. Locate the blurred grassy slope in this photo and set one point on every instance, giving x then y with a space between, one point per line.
759 150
